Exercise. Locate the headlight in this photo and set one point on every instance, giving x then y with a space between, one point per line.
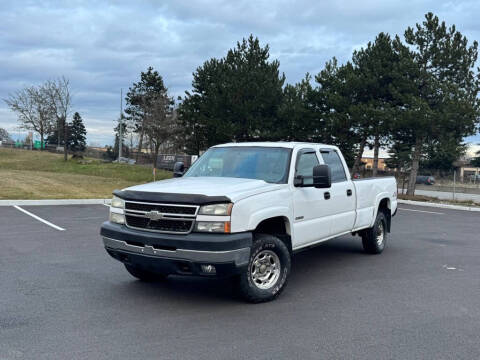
117 202
216 209
117 218
213 226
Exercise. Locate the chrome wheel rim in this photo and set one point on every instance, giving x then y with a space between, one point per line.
380 234
265 269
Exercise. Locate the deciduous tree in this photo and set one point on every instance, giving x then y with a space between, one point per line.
160 124
60 100
34 110
4 135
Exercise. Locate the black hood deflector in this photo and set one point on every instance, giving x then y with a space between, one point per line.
170 198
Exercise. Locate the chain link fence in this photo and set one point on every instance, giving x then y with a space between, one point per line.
461 184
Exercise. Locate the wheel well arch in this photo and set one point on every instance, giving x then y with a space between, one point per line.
278 226
385 207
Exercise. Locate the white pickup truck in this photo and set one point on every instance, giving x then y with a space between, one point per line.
242 210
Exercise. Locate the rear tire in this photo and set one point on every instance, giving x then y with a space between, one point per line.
143 275
267 272
374 239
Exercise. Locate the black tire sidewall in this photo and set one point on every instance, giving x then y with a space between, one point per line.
381 219
249 289
369 237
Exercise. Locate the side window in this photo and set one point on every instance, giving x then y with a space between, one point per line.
306 160
331 158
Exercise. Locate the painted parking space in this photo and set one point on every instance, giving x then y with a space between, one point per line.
63 297
48 223
71 217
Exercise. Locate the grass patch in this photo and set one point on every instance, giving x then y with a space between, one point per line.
28 174
438 201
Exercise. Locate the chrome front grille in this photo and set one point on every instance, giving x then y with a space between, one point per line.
165 218
163 208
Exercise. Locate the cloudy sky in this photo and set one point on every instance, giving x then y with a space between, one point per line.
102 46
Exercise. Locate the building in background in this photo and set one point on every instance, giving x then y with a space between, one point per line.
367 159
368 163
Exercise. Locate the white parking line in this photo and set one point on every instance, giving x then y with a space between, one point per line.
39 218
428 212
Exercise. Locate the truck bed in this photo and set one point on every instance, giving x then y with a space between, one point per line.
369 192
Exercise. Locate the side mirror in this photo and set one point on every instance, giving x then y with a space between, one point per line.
178 169
322 177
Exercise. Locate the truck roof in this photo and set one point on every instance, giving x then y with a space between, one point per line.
284 144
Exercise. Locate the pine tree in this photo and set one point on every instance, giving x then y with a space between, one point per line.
440 101
235 98
476 160
140 100
337 115
77 135
375 68
295 115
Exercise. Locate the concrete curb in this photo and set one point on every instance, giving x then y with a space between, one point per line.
437 205
55 202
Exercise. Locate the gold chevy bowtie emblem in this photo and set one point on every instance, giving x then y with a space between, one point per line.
154 215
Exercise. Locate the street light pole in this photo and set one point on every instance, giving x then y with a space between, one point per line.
120 130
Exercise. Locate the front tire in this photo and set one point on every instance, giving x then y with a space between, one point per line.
267 272
143 275
374 239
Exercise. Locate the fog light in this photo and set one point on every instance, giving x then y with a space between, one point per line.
209 269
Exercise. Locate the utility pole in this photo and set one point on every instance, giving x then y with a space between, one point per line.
58 134
454 183
120 142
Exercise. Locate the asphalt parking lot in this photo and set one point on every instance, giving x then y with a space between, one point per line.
63 297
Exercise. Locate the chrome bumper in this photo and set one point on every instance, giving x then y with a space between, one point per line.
238 256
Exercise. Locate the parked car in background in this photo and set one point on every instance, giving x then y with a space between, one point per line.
427 180
475 178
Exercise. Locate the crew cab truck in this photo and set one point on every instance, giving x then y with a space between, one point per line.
242 210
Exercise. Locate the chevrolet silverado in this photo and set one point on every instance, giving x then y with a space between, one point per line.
242 210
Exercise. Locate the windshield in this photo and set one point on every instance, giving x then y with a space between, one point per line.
263 163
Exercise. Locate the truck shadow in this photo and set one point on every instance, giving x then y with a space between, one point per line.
324 260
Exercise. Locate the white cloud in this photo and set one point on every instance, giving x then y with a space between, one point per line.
102 46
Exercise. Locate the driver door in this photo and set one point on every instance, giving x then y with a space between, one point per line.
310 205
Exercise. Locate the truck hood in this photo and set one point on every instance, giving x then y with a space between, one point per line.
233 188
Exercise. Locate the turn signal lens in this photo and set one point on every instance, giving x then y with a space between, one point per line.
213 226
227 227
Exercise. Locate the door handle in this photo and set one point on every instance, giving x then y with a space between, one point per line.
349 192
326 195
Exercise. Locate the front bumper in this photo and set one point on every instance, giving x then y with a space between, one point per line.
178 254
